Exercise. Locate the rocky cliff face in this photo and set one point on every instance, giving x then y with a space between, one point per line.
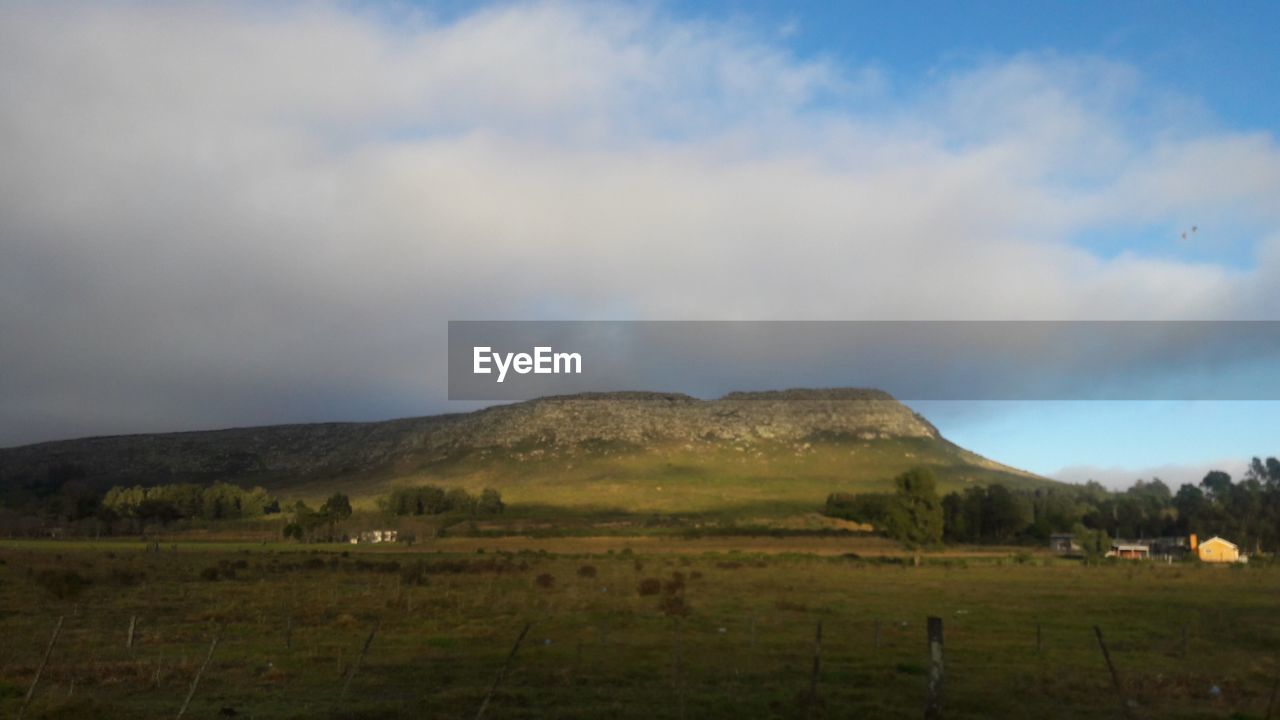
644 418
331 449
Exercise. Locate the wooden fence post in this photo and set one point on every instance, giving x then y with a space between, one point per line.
355 667
817 667
937 675
678 665
497 680
1115 675
199 673
1271 704
133 622
31 691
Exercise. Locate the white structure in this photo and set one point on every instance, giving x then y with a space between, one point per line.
375 536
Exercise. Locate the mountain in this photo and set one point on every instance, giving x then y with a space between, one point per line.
767 452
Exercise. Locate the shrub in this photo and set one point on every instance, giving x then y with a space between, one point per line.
415 574
674 605
210 574
675 585
121 576
62 584
587 571
650 586
545 581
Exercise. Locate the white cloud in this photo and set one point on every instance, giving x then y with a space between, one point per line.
1119 477
228 214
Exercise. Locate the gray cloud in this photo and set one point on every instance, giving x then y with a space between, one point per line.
227 214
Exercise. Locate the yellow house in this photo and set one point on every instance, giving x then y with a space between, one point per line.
1215 549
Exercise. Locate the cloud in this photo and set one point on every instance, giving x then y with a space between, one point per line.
230 214
1175 475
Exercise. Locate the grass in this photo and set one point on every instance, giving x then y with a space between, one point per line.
767 479
727 634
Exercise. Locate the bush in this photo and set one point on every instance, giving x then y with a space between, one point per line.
587 571
62 584
210 574
545 581
650 586
674 605
415 574
675 585
120 576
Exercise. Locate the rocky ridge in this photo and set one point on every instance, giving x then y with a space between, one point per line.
628 419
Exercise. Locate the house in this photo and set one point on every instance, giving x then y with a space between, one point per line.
375 536
1129 551
1215 549
1064 544
1168 547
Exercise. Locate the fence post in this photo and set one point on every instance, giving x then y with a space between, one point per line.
133 621
31 691
1271 704
933 697
678 665
817 667
355 667
1115 675
497 680
199 673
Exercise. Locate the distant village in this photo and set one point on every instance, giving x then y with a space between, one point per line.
1168 549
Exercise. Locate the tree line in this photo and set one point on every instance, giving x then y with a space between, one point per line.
166 503
320 525
1246 511
326 524
434 500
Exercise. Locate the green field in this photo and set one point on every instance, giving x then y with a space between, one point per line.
726 634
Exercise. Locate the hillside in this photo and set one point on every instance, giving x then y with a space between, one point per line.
773 452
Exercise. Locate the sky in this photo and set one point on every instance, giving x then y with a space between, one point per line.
244 213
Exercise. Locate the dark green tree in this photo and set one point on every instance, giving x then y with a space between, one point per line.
490 502
916 517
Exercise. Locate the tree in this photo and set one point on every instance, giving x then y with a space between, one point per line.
1093 543
1004 515
869 508
459 500
916 516
1191 505
337 507
490 502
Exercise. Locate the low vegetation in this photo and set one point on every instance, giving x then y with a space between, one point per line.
434 500
676 633
1247 511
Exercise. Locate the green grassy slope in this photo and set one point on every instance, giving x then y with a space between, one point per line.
765 480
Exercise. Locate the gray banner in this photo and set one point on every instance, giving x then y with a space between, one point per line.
925 360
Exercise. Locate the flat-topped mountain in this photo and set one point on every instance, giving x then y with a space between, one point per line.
633 435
